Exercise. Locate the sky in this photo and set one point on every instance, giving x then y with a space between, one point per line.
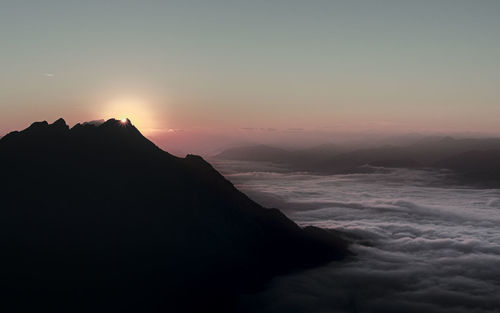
182 69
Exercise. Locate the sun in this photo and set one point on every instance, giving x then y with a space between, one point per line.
129 109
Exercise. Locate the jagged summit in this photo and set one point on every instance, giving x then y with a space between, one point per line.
94 122
107 124
118 124
44 128
59 123
112 122
101 205
105 135
38 125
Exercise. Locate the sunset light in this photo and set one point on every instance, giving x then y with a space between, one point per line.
250 156
133 108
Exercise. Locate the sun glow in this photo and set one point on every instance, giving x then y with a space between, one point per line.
132 108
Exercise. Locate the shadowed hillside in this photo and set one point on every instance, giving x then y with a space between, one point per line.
98 218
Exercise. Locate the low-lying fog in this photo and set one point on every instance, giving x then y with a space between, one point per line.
425 245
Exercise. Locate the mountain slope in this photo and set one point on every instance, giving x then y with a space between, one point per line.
258 153
98 218
475 167
433 152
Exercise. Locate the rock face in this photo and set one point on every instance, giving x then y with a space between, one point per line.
98 218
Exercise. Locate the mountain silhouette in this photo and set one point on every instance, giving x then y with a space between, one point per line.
258 153
475 167
472 160
98 218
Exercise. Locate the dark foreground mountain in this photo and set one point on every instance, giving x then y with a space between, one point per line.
98 219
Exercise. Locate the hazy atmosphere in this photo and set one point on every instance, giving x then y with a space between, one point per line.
250 156
185 70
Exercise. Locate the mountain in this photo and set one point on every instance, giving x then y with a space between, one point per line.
297 159
475 167
467 157
98 218
258 153
331 159
430 153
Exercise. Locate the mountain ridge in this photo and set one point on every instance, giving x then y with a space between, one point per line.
156 231
478 158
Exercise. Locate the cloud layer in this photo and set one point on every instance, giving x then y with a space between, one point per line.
427 246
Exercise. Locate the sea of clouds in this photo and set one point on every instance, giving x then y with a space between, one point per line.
422 243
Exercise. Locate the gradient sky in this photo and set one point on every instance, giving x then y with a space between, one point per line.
223 65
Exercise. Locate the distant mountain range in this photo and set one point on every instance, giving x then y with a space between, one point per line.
97 218
474 160
297 158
